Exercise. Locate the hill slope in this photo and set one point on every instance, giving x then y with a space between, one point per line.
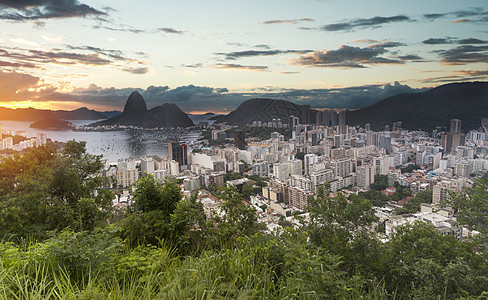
32 114
136 114
261 109
467 101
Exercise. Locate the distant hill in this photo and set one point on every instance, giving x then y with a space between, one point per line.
32 114
261 109
136 114
467 101
52 124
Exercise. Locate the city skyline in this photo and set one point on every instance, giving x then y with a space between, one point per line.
213 56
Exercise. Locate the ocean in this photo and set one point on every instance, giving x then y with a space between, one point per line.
112 145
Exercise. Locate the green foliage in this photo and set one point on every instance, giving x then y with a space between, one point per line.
41 190
376 198
151 195
472 206
424 264
410 168
236 220
247 190
380 183
414 205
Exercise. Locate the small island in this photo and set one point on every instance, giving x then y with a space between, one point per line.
52 124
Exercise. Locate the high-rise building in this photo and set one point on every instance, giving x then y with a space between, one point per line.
240 140
309 161
326 117
178 152
455 126
385 143
454 138
365 176
342 117
333 118
306 114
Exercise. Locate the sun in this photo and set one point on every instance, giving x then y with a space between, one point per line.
24 104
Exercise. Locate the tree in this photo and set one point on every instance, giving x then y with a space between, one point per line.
42 190
237 218
414 205
189 226
472 206
344 228
421 263
151 195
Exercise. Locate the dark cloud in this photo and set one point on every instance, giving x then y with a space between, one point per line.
465 54
25 10
193 66
252 53
478 15
242 67
84 55
459 76
438 41
121 28
17 65
471 41
13 83
262 46
169 30
142 70
434 16
199 98
411 57
346 57
374 22
453 40
294 21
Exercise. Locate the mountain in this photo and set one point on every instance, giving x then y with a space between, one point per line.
52 124
136 114
135 103
467 101
32 114
261 109
79 114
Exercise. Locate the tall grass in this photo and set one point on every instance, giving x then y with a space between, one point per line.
100 266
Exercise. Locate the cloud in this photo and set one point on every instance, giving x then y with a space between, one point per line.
294 21
83 55
121 28
201 98
411 57
131 29
374 22
169 30
242 67
252 53
346 57
477 14
453 40
464 54
26 10
17 65
13 83
459 76
142 70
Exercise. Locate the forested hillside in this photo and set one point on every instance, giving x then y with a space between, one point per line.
61 238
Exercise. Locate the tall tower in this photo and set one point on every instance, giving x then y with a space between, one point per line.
342 117
306 114
240 140
455 126
178 152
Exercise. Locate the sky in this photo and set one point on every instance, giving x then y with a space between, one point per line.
212 55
